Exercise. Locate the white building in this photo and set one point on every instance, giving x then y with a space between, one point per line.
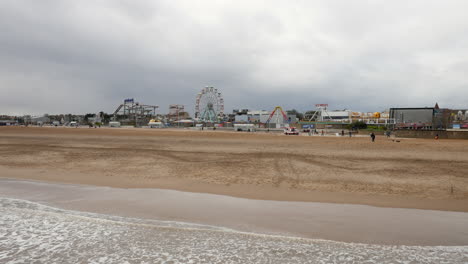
262 116
335 115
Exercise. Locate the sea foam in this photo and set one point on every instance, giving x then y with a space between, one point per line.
31 232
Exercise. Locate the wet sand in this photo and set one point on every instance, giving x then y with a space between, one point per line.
337 222
414 173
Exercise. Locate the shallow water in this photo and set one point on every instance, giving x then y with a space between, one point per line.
31 232
337 222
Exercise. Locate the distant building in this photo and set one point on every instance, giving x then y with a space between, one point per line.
336 115
8 122
420 117
175 108
38 120
260 116
242 118
458 119
412 115
175 111
240 111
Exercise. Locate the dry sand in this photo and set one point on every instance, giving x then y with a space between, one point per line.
414 173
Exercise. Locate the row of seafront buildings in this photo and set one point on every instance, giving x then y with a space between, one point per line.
430 118
419 118
410 118
321 118
46 119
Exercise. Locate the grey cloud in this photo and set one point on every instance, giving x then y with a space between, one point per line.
87 56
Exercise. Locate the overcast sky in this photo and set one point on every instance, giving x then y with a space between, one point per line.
59 56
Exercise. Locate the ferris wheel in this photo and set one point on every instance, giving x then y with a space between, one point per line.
209 105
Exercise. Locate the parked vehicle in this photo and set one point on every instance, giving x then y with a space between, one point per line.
291 131
244 127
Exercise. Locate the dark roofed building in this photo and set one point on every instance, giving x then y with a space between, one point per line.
421 117
8 122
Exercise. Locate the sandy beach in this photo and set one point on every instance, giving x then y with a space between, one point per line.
412 173
104 195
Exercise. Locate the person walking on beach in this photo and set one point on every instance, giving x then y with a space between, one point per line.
322 132
372 135
342 133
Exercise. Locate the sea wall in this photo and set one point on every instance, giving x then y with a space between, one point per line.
451 134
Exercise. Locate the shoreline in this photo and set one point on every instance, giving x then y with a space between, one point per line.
310 220
261 193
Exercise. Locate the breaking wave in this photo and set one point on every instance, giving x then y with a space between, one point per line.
31 232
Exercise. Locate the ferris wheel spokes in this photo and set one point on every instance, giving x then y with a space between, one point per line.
209 105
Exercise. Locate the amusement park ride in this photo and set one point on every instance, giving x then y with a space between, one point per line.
320 113
209 105
134 112
278 113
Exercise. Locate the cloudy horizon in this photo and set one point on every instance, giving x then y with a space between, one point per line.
88 56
